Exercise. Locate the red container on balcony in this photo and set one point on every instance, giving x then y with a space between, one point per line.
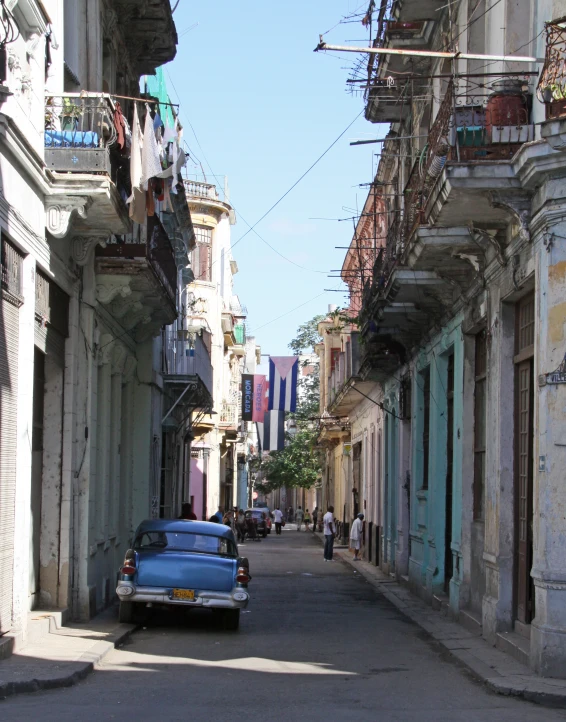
504 109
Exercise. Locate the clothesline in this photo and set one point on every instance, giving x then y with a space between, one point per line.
144 100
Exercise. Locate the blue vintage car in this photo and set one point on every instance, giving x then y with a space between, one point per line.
187 563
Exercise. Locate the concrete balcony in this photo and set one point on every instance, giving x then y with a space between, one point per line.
346 386
204 198
149 32
85 166
137 282
229 417
467 178
188 368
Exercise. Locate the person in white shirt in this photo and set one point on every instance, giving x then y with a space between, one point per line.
357 535
278 516
329 534
299 518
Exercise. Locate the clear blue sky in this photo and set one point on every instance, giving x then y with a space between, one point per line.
264 107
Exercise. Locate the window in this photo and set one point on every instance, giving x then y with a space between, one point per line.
425 378
480 389
186 542
201 257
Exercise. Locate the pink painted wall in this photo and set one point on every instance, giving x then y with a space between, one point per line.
196 489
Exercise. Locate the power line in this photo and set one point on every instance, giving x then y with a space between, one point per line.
250 227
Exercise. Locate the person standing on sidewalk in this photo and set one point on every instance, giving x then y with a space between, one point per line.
314 518
278 516
299 518
329 534
307 520
357 535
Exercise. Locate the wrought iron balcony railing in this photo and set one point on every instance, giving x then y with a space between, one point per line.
157 250
229 414
551 88
79 130
187 357
467 128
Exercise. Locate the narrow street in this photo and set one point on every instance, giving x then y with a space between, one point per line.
317 643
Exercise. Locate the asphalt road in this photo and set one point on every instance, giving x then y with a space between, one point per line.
317 644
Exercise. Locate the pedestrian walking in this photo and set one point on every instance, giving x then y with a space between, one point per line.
187 512
299 518
290 514
329 534
356 536
314 518
241 526
278 516
307 520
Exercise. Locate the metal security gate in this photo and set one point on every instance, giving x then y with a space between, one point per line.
10 302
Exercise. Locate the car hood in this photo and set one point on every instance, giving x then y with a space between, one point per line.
185 570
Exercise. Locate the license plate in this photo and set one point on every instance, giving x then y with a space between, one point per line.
186 594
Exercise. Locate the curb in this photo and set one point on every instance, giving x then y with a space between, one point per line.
82 667
528 687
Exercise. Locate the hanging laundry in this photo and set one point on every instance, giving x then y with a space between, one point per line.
151 165
137 200
120 125
169 134
157 122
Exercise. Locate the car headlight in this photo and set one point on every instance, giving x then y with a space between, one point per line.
240 596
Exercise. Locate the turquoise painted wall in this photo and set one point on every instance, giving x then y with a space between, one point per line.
428 507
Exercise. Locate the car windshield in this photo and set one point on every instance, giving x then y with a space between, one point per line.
186 542
256 514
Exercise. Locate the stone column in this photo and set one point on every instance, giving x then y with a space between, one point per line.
20 593
497 607
84 469
548 630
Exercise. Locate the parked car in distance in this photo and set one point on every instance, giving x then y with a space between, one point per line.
175 562
259 519
268 516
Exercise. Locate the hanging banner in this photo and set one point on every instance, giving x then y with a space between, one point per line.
260 397
283 375
247 397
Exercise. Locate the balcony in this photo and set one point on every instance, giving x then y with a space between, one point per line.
137 281
88 172
149 33
205 199
551 88
465 178
229 416
187 361
346 387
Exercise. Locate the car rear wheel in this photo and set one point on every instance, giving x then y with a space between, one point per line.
130 613
231 619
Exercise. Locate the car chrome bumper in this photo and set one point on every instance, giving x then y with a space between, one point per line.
236 599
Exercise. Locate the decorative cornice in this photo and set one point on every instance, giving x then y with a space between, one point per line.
58 212
518 205
119 356
130 365
82 248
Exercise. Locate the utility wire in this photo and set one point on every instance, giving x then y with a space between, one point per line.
250 227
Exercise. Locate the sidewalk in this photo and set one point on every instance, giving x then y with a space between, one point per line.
498 670
60 656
